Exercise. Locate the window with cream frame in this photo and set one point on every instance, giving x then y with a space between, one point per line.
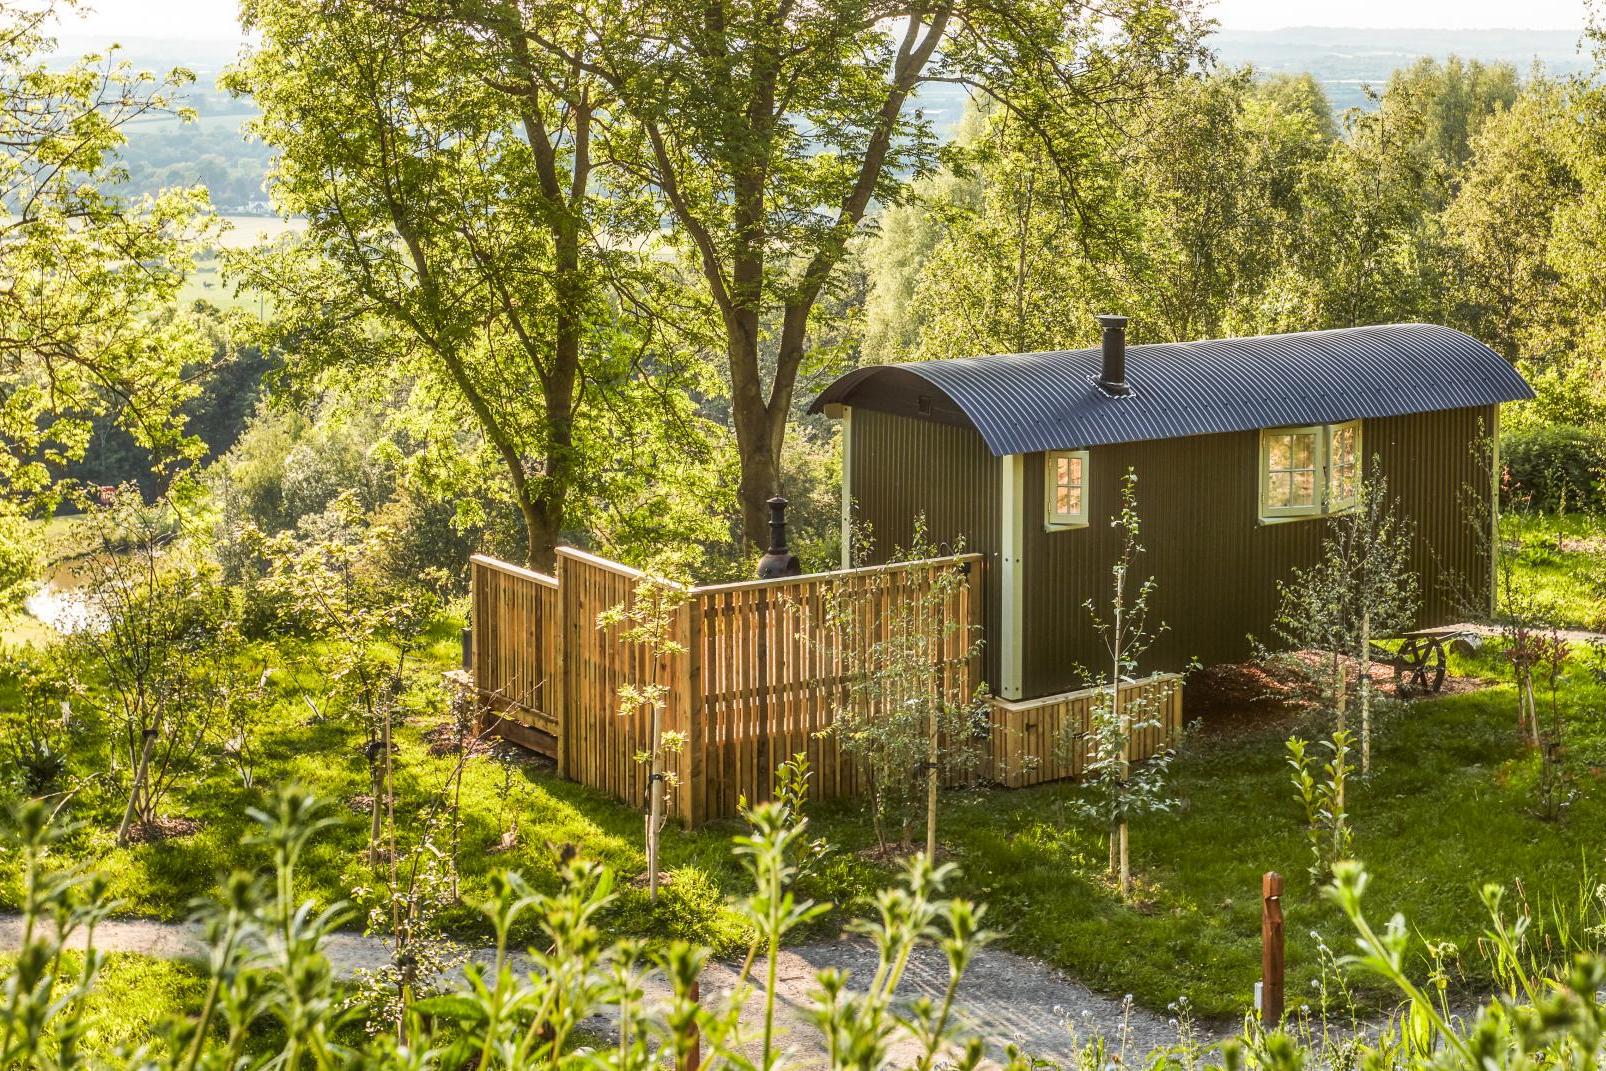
1065 489
1309 472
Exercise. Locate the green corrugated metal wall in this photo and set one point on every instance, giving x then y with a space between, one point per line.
1216 567
903 467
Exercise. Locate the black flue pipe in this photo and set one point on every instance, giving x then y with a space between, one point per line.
1112 373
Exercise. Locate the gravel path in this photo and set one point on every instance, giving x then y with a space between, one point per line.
1004 997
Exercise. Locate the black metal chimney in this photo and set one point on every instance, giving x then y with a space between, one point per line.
1112 374
778 561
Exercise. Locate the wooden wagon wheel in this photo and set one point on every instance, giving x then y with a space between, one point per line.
1419 666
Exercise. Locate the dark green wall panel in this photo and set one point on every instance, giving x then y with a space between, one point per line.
1216 566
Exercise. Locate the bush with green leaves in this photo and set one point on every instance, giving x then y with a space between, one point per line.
1555 468
158 633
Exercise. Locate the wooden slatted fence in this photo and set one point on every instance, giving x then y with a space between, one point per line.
517 652
761 673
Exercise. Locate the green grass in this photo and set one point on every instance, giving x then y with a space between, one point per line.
131 997
161 880
1561 559
1448 809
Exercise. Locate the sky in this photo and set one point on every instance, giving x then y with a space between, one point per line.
1402 14
214 20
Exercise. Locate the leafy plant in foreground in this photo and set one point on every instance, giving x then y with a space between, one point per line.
1320 785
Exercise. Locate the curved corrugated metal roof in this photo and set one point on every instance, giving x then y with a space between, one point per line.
1025 402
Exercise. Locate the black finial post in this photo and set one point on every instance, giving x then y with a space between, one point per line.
778 561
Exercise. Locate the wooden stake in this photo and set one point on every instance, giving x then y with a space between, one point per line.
1271 949
694 1038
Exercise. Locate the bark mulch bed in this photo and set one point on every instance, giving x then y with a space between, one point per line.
1252 696
163 828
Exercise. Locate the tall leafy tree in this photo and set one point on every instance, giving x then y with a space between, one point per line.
458 228
88 281
1500 222
766 131
1188 223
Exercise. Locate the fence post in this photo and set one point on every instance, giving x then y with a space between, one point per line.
1271 949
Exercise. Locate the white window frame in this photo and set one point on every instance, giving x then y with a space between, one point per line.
1337 503
1325 501
1053 519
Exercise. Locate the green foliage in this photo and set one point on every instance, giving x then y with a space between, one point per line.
453 178
902 721
267 970
86 317
19 560
156 633
1553 468
1320 785
1118 789
766 218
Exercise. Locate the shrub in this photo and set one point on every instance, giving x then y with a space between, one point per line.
1554 467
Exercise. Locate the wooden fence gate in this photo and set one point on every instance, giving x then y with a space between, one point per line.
759 675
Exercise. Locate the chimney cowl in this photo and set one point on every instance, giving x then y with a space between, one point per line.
778 561
1112 369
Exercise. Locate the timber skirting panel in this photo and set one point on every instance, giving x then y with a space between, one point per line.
1039 740
759 673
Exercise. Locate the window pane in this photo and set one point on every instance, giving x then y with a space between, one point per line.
1277 453
1304 488
1075 470
1062 471
1341 445
1304 451
1278 489
1062 499
1075 499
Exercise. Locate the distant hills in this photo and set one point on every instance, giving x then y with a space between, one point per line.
1346 60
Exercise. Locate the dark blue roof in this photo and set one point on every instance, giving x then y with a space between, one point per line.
1025 402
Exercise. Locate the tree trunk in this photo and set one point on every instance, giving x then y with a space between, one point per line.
376 818
1364 689
758 446
1342 690
139 786
1338 688
931 786
655 802
1125 864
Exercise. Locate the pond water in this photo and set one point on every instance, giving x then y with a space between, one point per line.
61 603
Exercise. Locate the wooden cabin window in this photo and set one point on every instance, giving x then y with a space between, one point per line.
1065 490
1309 472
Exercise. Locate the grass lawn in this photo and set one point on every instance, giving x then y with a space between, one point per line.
131 997
1448 809
1562 557
162 879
